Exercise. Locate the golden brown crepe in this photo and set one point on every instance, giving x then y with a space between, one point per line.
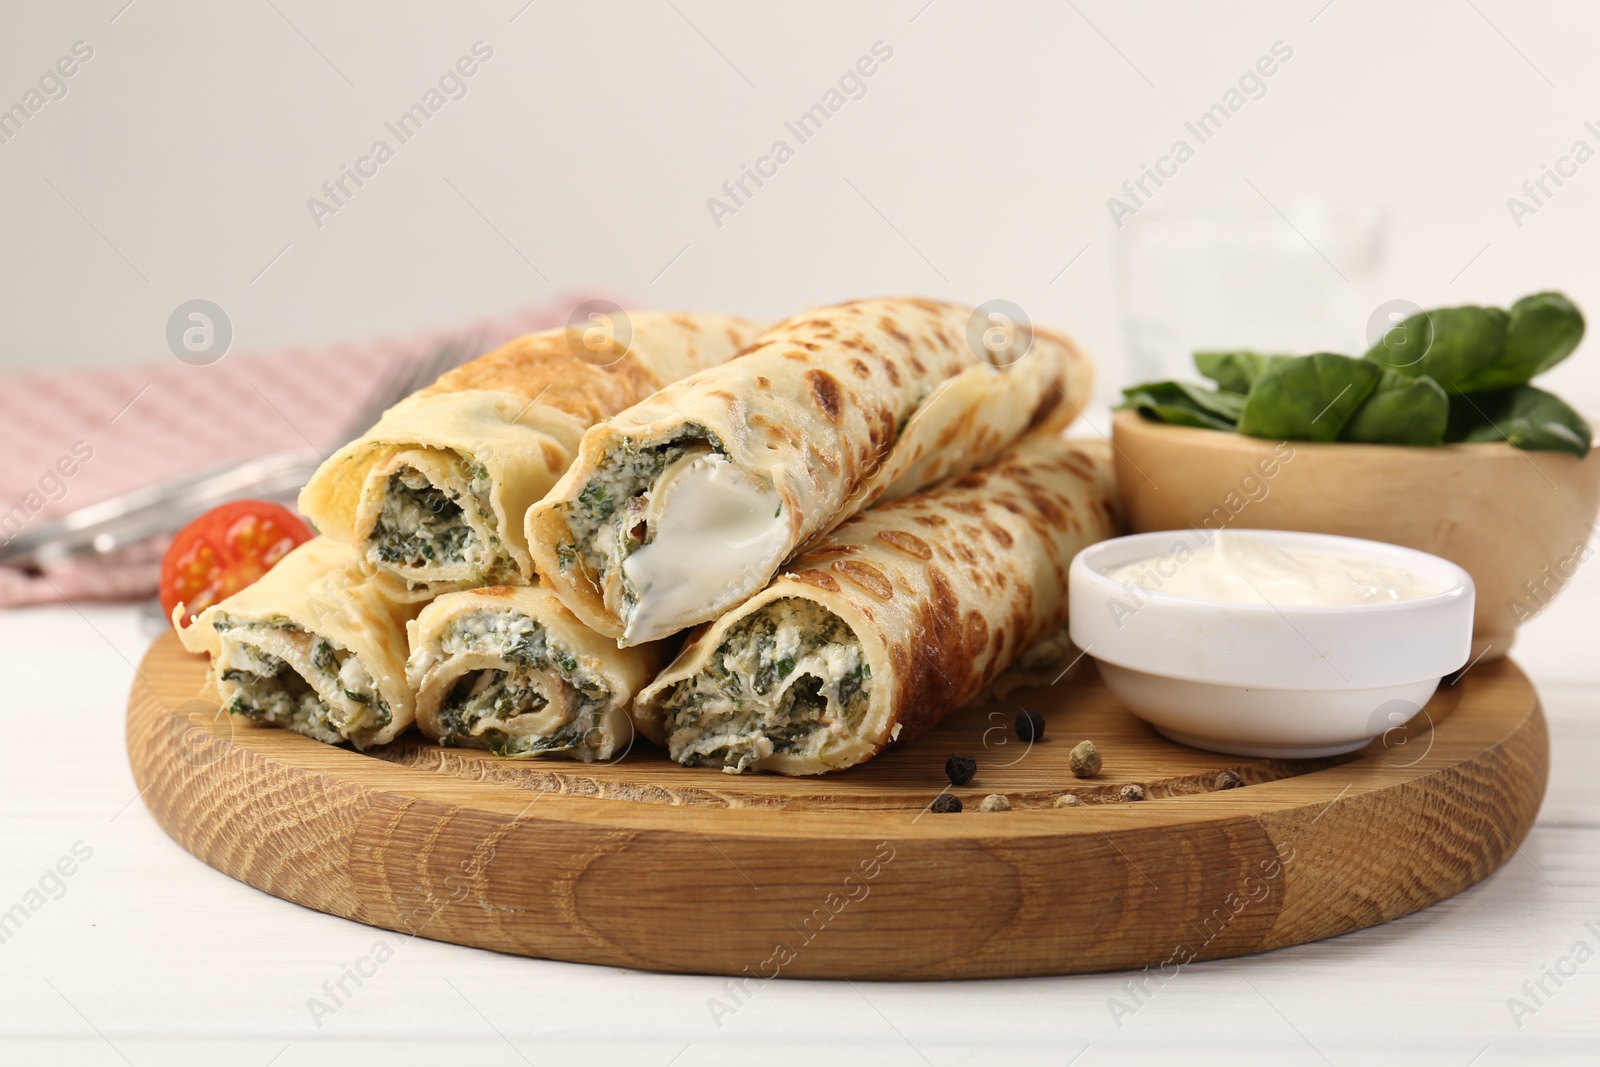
314 646
433 496
890 622
685 504
512 670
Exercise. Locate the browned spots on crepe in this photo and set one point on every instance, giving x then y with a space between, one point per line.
931 520
802 357
892 328
816 578
971 481
824 328
960 428
1079 464
1048 508
1022 620
969 507
496 590
892 369
826 392
979 545
880 430
1001 538
936 673
546 368
865 576
909 543
1047 403
860 368
977 634
776 430
1024 604
827 458
763 381
822 555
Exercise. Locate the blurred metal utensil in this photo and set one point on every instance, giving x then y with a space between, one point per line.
166 506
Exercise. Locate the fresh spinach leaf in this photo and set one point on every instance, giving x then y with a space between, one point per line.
1456 347
1528 418
1185 405
1308 398
1400 411
1402 346
1235 372
1451 374
1479 349
1543 331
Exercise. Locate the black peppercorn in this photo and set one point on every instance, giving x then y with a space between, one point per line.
945 802
1030 726
960 769
1229 780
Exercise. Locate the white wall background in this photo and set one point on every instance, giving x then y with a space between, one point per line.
179 163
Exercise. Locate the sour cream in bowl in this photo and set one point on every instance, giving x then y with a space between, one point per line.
1269 642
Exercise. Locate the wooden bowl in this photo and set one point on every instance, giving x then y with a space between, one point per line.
1519 522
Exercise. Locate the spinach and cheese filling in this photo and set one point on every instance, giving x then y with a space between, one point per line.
608 519
438 532
663 530
275 672
784 680
517 691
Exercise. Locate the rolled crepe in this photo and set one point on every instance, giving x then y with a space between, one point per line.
433 496
514 671
685 504
889 623
314 646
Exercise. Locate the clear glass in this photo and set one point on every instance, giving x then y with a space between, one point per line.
1241 278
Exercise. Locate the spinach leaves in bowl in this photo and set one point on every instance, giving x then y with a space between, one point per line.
1440 377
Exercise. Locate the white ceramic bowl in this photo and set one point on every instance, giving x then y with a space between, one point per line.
1262 680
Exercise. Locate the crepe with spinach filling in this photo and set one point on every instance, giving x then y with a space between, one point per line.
314 646
433 496
892 621
685 504
512 670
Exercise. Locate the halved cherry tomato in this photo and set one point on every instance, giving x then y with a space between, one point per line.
225 550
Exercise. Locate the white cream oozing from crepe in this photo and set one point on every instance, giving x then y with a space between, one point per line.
716 529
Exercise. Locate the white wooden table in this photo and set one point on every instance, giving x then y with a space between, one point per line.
146 956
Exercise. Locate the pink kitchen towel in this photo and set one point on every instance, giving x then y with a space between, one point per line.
77 437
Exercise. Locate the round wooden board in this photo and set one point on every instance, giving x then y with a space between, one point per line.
642 863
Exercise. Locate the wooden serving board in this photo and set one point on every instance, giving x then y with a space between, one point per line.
642 863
